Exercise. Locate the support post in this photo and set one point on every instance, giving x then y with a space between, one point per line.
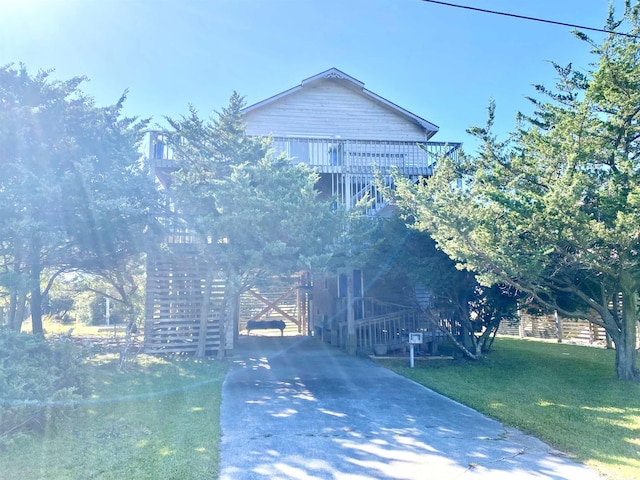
558 325
352 342
411 355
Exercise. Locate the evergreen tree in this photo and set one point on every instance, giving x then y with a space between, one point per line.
73 192
406 261
256 214
554 211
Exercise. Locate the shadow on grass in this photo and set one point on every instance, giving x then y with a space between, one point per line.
565 394
158 419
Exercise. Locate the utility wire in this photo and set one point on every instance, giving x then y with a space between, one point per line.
513 15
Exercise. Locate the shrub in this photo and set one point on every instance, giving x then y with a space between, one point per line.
39 381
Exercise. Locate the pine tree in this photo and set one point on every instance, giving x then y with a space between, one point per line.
555 210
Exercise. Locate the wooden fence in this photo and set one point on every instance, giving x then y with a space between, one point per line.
547 326
175 291
277 298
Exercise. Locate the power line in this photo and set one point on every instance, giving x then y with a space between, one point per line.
523 17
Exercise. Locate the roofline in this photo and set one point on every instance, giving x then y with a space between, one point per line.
430 128
266 101
427 125
333 73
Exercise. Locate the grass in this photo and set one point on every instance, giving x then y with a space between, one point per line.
158 419
52 326
566 395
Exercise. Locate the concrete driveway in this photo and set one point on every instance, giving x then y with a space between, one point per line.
293 408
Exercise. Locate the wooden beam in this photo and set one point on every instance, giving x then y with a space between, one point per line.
272 305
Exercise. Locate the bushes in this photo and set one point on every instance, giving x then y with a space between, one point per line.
38 381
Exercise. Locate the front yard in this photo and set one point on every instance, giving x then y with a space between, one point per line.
157 419
564 394
160 417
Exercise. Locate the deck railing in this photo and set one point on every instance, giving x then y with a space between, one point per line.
336 155
392 331
389 329
159 148
349 165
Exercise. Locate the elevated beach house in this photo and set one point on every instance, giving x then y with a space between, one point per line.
331 122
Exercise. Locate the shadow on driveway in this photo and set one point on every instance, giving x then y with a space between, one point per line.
293 408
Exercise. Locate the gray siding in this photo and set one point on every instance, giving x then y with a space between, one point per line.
329 109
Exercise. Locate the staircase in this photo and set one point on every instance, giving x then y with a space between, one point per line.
392 327
368 191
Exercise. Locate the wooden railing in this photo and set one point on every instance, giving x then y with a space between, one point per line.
349 166
391 329
337 155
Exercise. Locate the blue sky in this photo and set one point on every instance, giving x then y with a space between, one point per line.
441 63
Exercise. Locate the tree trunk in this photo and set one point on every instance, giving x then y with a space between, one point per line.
13 309
485 340
456 340
36 298
17 299
20 313
626 354
205 306
467 336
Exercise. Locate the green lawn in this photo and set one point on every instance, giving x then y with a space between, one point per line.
566 395
160 418
157 420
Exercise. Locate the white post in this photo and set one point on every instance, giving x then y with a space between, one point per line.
411 355
558 325
107 313
414 339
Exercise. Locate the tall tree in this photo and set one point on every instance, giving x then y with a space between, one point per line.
255 213
555 209
406 263
73 193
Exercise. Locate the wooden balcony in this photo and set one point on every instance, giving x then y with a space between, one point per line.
347 168
336 155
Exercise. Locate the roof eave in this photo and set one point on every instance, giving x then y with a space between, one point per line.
333 73
266 101
430 128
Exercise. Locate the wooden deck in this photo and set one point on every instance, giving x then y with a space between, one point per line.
347 167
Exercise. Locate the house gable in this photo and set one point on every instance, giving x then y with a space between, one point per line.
333 104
